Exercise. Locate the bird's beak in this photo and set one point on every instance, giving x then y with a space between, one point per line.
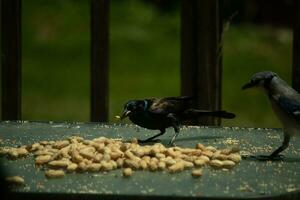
125 114
248 85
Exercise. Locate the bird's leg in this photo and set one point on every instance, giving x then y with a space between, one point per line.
284 145
275 155
151 139
172 141
175 125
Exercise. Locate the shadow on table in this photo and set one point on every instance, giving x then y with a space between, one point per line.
262 158
199 138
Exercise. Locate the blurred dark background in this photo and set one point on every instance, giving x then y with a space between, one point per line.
144 55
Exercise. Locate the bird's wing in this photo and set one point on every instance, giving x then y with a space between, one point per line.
168 105
292 107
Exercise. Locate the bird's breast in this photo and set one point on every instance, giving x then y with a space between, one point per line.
149 121
290 125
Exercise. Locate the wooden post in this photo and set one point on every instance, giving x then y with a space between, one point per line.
296 47
11 59
99 60
201 70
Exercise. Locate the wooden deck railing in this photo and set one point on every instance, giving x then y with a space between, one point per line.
99 59
11 59
201 64
296 47
201 61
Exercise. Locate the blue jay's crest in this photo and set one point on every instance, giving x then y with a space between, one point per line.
260 79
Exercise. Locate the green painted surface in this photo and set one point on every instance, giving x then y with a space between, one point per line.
249 179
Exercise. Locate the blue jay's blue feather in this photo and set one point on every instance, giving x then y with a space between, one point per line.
292 107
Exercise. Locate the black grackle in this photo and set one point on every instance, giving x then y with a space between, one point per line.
161 113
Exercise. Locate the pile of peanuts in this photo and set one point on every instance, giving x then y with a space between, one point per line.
105 154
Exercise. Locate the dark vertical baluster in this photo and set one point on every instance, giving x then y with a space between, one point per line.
99 60
200 54
188 48
296 47
11 59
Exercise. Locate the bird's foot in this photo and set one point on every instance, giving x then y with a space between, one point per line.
268 158
148 141
172 144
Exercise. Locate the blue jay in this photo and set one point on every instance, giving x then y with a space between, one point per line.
285 102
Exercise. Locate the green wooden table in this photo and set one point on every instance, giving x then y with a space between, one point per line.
249 179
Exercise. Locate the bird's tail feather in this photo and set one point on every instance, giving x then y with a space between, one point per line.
201 113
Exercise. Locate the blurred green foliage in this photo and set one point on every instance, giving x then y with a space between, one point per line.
144 60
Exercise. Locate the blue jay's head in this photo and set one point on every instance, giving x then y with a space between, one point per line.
260 79
133 107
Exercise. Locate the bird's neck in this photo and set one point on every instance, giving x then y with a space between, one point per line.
146 104
142 115
278 86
